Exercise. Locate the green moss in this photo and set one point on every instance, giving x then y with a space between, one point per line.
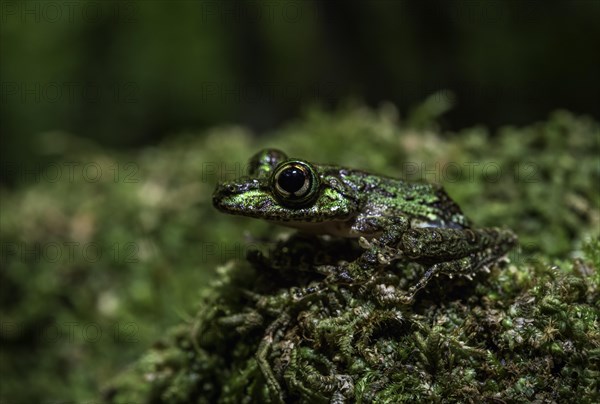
527 331
519 334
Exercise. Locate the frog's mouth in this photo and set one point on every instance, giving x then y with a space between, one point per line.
247 198
262 205
253 203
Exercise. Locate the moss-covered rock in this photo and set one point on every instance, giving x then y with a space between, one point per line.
529 330
521 334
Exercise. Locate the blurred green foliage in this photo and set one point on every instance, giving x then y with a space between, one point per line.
129 73
138 240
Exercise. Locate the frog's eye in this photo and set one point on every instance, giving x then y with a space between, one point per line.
295 183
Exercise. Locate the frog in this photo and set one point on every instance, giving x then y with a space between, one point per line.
392 218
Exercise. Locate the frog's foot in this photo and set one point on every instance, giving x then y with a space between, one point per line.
466 267
449 268
382 250
376 255
459 252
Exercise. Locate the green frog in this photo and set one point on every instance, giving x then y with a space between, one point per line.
392 218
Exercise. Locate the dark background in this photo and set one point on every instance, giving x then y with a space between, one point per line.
130 73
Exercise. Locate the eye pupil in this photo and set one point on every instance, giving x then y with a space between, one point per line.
291 179
295 184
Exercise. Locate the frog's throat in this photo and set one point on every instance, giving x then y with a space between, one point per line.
337 228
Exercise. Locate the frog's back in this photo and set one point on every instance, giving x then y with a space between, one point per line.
428 205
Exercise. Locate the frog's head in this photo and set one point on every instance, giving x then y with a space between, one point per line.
287 191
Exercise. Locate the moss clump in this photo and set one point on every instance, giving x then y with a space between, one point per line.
519 334
271 328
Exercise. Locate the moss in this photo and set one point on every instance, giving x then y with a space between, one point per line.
526 331
519 334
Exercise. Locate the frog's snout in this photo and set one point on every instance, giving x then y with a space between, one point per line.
224 192
235 188
227 189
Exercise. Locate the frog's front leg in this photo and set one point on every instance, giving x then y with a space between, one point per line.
378 252
382 248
